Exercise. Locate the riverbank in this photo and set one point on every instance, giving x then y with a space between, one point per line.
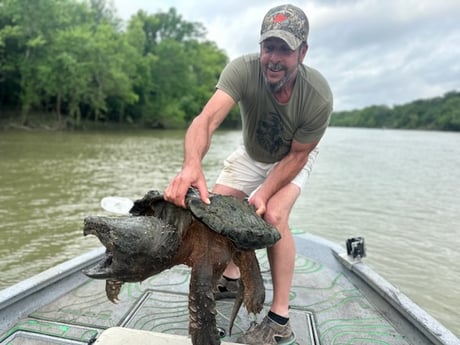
48 122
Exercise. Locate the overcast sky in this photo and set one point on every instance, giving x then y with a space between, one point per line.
371 51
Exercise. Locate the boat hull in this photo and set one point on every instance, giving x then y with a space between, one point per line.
334 300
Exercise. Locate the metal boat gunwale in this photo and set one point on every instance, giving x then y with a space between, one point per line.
373 285
19 300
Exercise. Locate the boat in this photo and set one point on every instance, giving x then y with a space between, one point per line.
335 299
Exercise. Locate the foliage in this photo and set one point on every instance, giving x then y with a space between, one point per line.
77 60
440 113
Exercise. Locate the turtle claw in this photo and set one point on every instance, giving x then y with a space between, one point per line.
114 300
112 289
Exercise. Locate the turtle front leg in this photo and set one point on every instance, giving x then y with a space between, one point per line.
202 307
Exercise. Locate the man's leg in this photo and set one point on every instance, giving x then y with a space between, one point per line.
232 271
281 256
275 327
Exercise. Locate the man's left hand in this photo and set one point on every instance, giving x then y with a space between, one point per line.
259 203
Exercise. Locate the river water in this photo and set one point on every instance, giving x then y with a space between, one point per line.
398 189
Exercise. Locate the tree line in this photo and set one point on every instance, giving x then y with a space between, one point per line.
439 113
79 62
74 63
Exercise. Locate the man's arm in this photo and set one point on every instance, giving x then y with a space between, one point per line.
282 174
196 145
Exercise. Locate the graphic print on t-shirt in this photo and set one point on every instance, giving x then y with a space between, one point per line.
269 133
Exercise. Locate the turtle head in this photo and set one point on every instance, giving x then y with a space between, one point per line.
134 247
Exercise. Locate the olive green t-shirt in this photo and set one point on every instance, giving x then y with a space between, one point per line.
269 126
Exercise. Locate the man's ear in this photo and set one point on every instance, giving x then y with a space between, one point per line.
303 51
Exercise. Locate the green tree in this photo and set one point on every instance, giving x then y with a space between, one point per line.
206 63
172 79
439 113
450 112
9 80
179 68
74 58
110 69
65 77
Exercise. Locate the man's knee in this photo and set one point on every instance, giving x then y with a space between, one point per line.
280 205
276 218
271 219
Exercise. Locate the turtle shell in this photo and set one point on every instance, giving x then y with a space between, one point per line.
233 218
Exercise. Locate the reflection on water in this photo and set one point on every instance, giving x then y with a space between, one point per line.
398 189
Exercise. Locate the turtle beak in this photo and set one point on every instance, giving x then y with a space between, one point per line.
102 270
100 227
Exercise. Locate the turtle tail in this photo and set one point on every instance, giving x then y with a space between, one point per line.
236 306
251 291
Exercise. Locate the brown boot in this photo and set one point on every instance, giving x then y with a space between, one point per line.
268 332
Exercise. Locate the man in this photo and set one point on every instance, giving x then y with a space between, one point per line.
285 108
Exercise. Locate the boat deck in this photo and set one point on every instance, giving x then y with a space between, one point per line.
330 304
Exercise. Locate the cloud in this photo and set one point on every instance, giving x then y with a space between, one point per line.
371 51
389 52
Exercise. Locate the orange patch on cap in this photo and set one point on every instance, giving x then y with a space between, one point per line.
280 17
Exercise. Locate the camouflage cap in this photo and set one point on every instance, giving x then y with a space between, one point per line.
287 22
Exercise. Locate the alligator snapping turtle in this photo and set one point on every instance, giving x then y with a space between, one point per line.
159 235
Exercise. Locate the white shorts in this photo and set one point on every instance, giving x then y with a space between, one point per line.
243 173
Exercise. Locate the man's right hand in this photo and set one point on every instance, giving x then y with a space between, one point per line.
180 184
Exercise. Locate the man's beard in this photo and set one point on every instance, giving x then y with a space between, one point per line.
275 87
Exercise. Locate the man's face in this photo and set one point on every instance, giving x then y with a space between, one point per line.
279 63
